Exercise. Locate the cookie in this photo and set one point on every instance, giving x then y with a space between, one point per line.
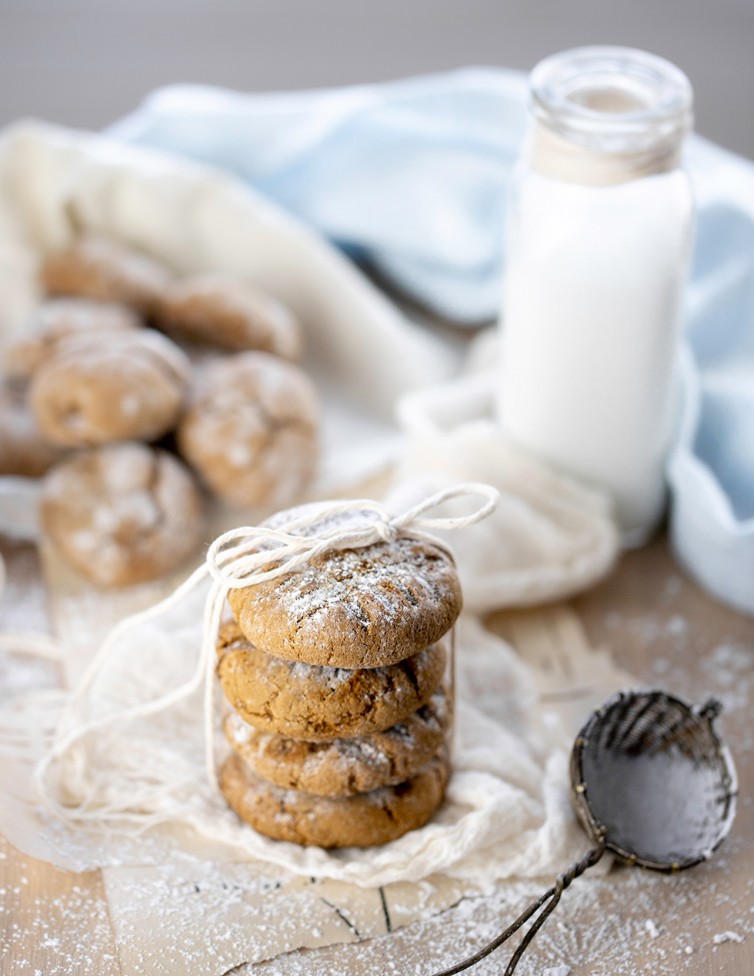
251 430
110 386
104 269
230 313
122 514
363 820
343 767
353 608
303 701
23 450
54 321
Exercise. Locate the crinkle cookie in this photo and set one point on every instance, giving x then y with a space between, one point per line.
230 313
343 767
107 270
352 608
251 430
112 386
122 514
363 820
55 321
309 702
23 450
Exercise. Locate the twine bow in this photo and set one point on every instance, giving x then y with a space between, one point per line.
240 558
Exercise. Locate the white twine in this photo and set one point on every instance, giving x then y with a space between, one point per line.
35 645
237 559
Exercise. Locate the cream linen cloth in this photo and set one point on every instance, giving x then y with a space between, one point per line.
507 812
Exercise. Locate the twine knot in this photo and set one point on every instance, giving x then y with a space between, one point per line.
253 554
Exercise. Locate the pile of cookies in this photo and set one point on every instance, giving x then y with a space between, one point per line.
132 386
337 693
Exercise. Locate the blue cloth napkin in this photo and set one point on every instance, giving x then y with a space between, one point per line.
408 175
411 177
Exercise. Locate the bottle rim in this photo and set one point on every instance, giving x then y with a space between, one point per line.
612 99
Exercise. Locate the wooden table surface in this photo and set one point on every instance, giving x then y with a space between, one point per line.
659 626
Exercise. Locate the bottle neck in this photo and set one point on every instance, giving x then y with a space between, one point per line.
559 158
607 115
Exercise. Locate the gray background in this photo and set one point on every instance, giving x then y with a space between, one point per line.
87 62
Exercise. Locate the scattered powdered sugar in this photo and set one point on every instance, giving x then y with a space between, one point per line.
421 734
125 467
344 754
85 540
136 511
726 667
728 662
60 930
676 626
239 454
590 931
650 628
129 405
327 523
332 677
729 668
241 731
158 928
383 582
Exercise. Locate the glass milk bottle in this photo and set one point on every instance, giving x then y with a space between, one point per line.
598 245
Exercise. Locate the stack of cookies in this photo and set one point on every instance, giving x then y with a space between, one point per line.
337 697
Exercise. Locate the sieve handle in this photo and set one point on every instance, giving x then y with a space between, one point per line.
546 902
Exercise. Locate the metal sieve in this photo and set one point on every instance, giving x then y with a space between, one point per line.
652 782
